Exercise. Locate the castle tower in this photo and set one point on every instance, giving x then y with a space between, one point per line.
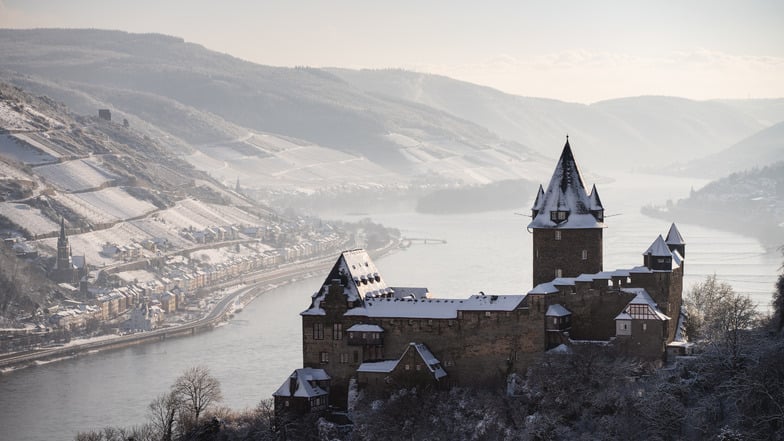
675 241
567 224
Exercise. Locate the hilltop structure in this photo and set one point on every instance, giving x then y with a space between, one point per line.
359 328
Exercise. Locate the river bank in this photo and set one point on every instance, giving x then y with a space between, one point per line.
244 293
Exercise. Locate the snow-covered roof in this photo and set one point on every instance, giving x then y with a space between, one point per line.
434 308
386 366
658 248
305 386
557 310
378 366
365 328
566 192
642 306
674 236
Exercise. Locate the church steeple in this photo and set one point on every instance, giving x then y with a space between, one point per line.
567 224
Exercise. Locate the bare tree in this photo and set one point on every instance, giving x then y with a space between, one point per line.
197 389
721 316
163 414
778 303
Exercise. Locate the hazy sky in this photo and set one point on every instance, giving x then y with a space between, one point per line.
571 50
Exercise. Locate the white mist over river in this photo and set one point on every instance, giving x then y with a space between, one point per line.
255 352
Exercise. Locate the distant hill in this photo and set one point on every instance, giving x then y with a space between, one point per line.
749 202
759 150
651 130
203 99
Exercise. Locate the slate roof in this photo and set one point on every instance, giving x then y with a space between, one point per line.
658 248
557 310
387 366
674 236
434 308
305 379
566 192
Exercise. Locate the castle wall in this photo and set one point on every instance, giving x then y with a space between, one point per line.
477 347
566 253
593 311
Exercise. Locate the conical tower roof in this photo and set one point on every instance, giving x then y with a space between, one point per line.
674 236
566 193
658 248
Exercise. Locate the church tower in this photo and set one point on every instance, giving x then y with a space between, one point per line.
63 250
567 224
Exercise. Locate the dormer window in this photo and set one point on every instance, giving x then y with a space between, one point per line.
558 215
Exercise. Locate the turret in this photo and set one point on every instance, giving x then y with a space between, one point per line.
675 241
658 256
567 225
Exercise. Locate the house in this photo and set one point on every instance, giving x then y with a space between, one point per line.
306 390
360 328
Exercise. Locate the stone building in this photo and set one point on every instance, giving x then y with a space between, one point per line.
359 328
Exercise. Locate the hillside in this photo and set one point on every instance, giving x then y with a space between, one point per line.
236 117
649 129
759 150
110 185
749 202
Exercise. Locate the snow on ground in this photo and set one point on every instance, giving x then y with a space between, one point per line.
8 171
38 140
105 206
77 175
137 276
190 213
27 217
15 150
90 244
12 119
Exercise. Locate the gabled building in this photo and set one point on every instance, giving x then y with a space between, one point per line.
358 327
306 390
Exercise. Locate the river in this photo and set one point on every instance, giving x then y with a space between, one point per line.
253 353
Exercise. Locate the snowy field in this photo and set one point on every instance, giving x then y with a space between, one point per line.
77 175
291 165
90 244
107 205
8 171
198 215
14 150
28 217
20 118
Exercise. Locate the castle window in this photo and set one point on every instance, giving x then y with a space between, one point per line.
585 255
337 331
318 331
418 367
324 357
558 215
408 367
557 235
356 357
488 314
644 326
558 273
344 358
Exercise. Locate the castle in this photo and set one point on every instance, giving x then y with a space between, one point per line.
358 328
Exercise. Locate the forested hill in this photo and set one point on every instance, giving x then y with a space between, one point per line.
749 202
